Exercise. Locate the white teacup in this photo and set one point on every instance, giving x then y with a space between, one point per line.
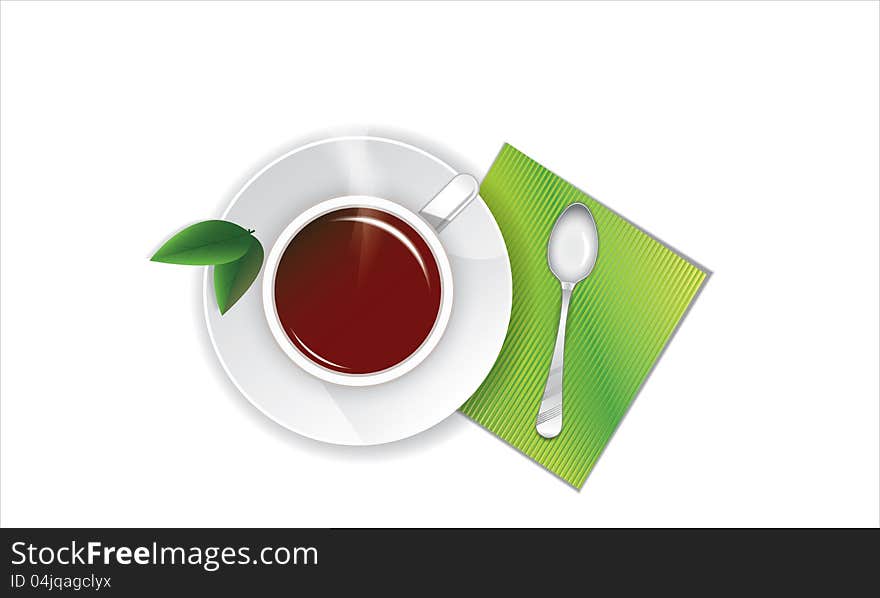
430 220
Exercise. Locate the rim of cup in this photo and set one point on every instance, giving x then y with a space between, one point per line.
428 234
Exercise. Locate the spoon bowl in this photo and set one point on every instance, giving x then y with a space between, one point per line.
573 245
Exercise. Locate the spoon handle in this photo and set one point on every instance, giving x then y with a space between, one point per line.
549 422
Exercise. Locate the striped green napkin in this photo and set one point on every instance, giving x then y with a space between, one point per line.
620 319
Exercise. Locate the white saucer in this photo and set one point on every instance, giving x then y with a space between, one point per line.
446 378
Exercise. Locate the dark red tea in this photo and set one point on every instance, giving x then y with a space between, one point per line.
357 290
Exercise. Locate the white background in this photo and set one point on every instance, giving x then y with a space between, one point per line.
746 135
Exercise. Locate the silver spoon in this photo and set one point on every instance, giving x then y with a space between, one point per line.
571 255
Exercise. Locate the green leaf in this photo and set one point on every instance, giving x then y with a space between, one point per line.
233 279
205 244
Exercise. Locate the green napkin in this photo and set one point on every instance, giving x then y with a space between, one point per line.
620 319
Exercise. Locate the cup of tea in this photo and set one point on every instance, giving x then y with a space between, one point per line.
358 289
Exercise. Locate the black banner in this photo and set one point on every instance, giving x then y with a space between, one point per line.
151 562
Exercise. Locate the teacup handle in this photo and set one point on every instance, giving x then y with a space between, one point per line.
450 201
